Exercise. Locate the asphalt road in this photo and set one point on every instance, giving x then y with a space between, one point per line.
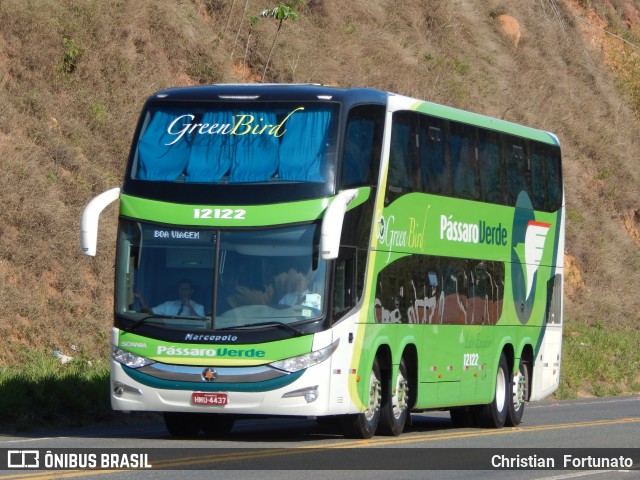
293 448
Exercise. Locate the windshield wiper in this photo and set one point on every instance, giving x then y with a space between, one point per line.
295 331
139 322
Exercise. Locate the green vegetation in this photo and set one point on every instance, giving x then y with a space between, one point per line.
603 174
621 45
201 70
42 392
596 361
280 13
627 65
71 56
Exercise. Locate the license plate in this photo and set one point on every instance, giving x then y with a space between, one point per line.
199 398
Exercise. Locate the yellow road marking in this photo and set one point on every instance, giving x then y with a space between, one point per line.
277 452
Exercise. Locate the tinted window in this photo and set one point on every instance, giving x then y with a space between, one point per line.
436 176
362 147
464 161
490 167
553 174
518 168
427 289
402 177
539 180
442 157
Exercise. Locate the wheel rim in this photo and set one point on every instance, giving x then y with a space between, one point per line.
519 390
375 393
401 398
501 387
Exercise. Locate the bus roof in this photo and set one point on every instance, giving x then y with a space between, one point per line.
347 96
486 122
273 92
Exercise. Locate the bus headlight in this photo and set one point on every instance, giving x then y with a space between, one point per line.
129 359
301 362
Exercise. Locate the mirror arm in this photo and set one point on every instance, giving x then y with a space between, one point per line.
332 224
90 217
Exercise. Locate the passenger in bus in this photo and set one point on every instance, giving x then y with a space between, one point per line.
300 288
184 306
295 284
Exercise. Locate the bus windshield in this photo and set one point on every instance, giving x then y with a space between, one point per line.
255 142
173 278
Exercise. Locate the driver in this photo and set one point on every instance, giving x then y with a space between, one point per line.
182 307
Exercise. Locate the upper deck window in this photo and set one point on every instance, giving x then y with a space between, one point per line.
237 143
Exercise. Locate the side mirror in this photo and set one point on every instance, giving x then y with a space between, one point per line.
332 224
89 222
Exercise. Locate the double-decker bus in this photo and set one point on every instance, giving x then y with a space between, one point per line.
343 254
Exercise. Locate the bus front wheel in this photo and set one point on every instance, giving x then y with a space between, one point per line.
364 425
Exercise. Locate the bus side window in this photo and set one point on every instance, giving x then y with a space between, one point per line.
518 169
553 175
496 277
391 292
539 180
401 155
344 295
480 297
464 161
436 176
362 146
490 167
434 294
455 286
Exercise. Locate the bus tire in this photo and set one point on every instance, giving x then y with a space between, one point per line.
365 424
494 414
519 394
214 424
395 407
180 424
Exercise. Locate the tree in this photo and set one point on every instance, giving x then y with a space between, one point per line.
252 22
280 13
235 42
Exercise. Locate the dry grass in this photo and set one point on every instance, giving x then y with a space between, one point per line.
74 75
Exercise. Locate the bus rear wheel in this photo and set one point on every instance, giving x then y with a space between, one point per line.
395 406
364 425
519 394
494 414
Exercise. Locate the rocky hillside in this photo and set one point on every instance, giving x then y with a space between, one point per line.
74 75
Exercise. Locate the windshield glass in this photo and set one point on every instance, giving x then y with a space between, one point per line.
167 276
237 143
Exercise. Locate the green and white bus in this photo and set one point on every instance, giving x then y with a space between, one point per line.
343 254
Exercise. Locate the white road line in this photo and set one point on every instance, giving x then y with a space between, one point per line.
593 402
25 440
576 474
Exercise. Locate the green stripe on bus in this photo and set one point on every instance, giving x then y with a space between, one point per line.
230 215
